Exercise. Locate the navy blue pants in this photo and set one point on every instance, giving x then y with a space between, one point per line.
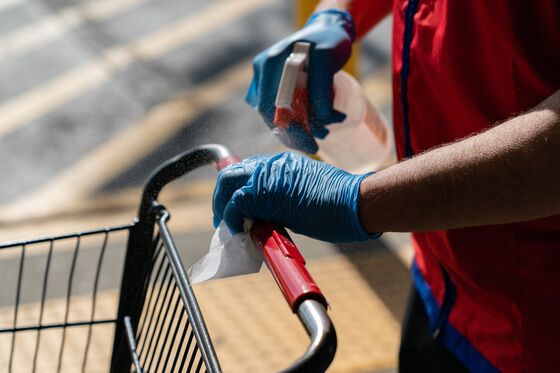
419 351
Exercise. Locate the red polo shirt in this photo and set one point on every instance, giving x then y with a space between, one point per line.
492 293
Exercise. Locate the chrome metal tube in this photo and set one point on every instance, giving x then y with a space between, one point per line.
187 294
132 344
320 329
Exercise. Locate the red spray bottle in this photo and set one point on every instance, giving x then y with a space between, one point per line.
362 142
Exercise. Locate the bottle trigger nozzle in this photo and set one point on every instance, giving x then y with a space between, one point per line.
292 97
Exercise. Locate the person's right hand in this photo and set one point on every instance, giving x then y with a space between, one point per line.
331 33
307 196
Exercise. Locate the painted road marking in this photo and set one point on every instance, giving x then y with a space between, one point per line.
190 201
7 4
110 159
249 309
41 100
99 354
53 26
94 170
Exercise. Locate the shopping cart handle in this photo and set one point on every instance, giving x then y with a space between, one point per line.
302 293
279 252
286 264
227 161
282 257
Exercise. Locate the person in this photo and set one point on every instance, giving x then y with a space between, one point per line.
477 128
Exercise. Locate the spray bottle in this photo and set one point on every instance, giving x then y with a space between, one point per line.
362 142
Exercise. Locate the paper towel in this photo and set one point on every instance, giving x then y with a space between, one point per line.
228 256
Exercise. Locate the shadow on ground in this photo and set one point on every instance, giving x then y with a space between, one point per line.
384 272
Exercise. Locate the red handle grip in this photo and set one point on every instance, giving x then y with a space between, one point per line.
286 264
227 161
282 258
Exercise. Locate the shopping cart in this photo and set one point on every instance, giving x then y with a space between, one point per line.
158 325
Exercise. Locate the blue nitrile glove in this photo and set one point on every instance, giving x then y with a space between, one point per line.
331 33
307 196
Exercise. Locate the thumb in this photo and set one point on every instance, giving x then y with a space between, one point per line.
229 180
240 206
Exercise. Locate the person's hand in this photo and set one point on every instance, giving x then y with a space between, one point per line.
331 33
307 196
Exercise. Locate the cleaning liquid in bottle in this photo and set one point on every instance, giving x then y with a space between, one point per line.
360 143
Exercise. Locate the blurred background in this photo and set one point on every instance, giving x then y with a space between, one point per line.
96 93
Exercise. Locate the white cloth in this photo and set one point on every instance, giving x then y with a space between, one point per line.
228 256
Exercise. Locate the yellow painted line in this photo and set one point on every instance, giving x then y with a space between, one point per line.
39 101
187 217
252 328
52 26
189 204
124 149
125 201
252 311
129 198
99 354
7 4
68 191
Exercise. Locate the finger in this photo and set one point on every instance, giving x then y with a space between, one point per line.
301 140
253 94
320 84
336 117
258 95
229 180
324 62
320 131
241 205
215 221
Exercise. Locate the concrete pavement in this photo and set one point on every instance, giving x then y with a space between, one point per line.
95 94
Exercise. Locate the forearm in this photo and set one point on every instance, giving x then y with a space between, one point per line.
366 13
506 174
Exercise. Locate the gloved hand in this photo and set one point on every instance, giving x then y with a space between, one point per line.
307 196
331 33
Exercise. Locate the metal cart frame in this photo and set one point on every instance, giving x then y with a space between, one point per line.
159 326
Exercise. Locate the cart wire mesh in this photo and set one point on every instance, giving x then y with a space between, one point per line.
165 340
118 299
62 298
50 298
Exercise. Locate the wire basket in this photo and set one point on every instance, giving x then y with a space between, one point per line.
58 311
55 299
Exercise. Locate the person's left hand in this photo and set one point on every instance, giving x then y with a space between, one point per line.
330 33
307 196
